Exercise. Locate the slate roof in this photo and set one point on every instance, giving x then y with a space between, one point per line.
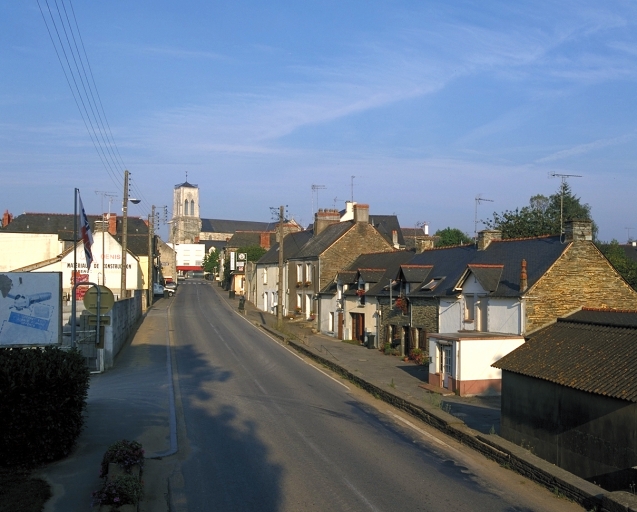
371 275
386 225
232 226
292 244
185 184
62 224
318 244
497 267
596 356
415 274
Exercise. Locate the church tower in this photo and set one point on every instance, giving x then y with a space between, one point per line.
186 223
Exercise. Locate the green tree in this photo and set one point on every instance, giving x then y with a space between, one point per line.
623 264
543 215
211 262
451 236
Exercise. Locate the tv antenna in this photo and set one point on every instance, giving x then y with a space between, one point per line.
563 178
315 189
475 217
352 187
628 234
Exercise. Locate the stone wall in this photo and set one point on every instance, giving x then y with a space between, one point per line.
582 277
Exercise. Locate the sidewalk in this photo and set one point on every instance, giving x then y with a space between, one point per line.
131 402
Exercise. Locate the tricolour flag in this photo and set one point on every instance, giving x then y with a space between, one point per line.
87 236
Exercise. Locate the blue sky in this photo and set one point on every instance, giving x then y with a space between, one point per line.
427 104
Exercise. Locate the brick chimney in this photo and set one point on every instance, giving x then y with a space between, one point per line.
264 240
361 213
6 219
425 244
112 224
524 284
486 237
578 230
394 238
324 218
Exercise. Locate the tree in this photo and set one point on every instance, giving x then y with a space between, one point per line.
623 264
543 215
211 262
451 236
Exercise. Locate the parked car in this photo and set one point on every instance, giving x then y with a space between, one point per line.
171 286
158 290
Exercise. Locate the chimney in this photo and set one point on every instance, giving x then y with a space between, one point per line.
394 238
524 284
112 224
486 237
361 213
578 230
425 244
264 240
6 219
324 218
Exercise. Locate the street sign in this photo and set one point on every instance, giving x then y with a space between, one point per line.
106 300
104 320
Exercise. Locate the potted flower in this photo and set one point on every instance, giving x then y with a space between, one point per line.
125 454
299 284
121 493
360 292
308 284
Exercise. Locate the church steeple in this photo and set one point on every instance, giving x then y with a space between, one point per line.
186 223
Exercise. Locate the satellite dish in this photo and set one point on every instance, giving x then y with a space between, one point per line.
135 201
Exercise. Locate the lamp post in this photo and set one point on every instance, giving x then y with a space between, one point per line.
123 292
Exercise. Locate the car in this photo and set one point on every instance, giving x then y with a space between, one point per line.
158 290
171 286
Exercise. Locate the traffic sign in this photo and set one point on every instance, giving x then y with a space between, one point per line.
107 300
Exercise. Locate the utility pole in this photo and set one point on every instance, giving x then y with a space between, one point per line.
279 306
151 256
122 287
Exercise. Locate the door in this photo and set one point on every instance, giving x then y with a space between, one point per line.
445 365
340 325
358 327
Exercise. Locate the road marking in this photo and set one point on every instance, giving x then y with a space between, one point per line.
421 431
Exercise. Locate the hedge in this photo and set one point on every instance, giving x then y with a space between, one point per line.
42 399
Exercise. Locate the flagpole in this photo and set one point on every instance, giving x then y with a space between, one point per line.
73 301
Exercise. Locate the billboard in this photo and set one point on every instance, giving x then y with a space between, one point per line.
30 308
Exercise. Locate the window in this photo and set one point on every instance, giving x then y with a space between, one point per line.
186 207
431 285
299 273
469 307
192 207
330 325
265 276
308 272
299 301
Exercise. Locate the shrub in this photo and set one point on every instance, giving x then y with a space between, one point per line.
42 399
124 489
125 454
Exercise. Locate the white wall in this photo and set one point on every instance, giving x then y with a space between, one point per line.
450 315
505 316
475 357
18 250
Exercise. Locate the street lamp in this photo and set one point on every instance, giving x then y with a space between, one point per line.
123 291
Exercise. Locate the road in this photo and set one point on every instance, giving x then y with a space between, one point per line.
259 428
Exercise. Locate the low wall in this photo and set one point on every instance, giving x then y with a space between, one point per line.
507 454
124 317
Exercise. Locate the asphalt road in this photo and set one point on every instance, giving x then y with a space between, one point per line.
261 429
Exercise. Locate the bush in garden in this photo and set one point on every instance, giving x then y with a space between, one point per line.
42 399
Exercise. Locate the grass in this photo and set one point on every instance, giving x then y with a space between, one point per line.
19 491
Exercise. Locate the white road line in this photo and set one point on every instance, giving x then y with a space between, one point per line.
421 431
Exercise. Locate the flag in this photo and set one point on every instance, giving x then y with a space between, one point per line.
87 236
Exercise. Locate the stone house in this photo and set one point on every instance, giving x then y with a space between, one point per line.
348 305
333 246
569 394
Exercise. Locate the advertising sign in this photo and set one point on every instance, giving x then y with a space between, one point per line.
30 308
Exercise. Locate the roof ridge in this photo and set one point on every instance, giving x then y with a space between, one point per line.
523 238
609 310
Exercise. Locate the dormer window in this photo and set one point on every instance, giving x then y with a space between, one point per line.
431 285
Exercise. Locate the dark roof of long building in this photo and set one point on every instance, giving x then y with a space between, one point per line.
232 226
61 224
592 351
292 244
386 225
